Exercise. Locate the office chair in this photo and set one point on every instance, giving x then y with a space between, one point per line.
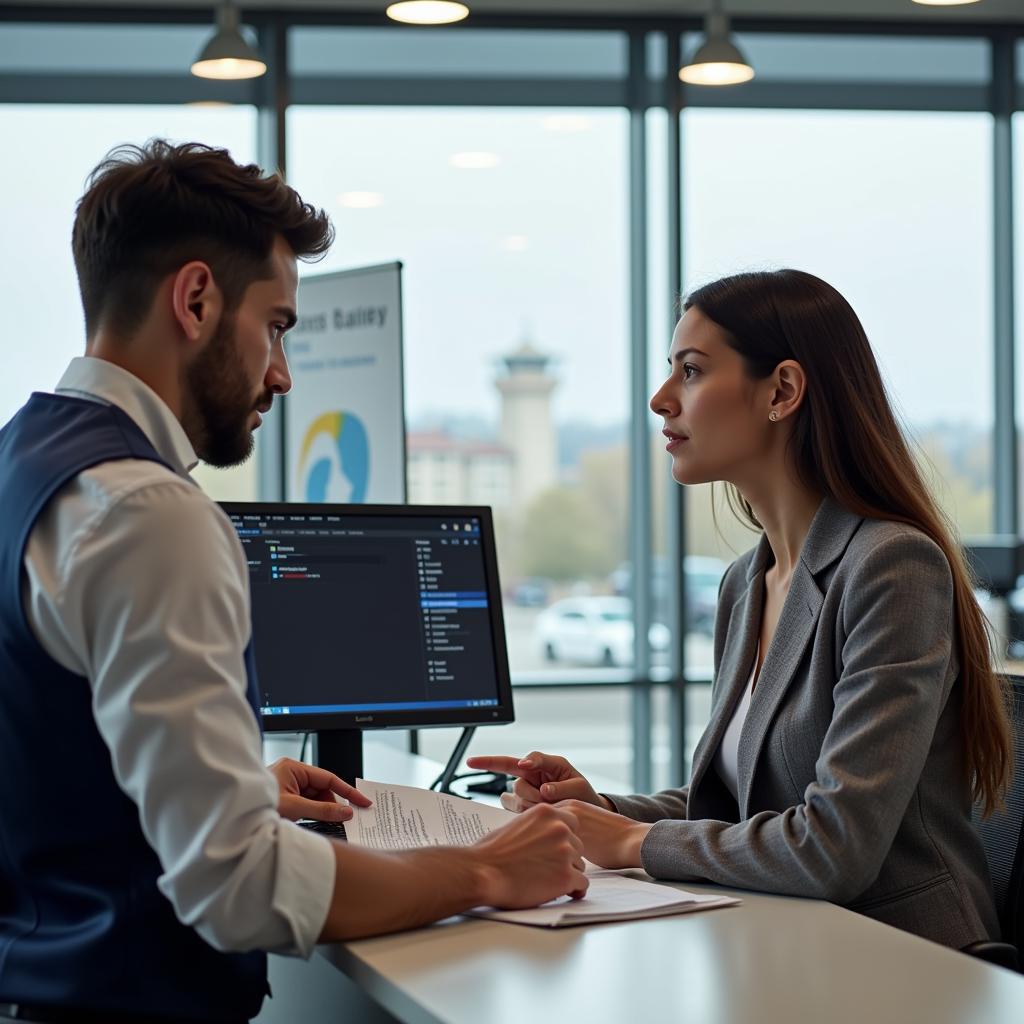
1002 836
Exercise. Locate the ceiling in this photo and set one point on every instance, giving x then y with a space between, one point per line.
860 10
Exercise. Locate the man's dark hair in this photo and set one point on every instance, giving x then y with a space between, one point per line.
150 209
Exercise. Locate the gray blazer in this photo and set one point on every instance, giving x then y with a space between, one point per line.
851 779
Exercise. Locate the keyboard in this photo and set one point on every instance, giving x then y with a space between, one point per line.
331 829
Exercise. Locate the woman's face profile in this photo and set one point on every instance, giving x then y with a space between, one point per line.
715 416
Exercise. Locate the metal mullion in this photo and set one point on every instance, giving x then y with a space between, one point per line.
639 451
871 26
599 682
487 21
428 91
675 512
435 91
272 141
97 15
296 16
84 87
812 95
272 150
1005 472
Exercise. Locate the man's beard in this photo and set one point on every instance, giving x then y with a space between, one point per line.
219 401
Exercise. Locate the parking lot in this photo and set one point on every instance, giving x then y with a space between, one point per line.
526 655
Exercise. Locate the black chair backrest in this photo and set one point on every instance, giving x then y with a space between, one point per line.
1001 835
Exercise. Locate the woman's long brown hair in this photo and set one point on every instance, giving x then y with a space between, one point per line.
847 443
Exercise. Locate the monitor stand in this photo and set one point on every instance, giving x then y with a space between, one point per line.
340 751
443 783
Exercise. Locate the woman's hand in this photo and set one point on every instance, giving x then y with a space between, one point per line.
609 839
307 791
540 779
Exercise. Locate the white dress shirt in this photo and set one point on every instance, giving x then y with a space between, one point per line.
727 756
136 580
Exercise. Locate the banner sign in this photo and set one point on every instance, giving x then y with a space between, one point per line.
344 421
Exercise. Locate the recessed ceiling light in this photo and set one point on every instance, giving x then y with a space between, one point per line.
361 200
945 3
427 12
474 161
515 243
566 123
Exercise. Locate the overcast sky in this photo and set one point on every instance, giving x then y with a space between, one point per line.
891 208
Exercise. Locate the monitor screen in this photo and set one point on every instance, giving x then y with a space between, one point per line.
374 616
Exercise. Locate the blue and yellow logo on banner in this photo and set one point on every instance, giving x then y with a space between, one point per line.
340 469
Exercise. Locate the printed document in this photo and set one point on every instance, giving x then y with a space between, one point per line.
404 817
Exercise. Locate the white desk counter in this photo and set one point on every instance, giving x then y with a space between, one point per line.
771 959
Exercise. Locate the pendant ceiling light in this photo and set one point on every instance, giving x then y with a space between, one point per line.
427 12
227 55
718 60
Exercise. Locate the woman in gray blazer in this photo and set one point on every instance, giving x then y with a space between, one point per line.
855 712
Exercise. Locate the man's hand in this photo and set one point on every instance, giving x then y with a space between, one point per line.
540 779
533 859
609 839
307 791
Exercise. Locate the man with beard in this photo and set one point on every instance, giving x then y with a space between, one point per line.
146 856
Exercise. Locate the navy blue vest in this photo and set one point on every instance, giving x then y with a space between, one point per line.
82 923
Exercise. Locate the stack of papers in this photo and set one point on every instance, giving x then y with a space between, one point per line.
403 817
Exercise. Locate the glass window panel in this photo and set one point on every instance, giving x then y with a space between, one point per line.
698 711
660 320
525 261
656 47
701 570
1014 611
101 49
1020 75
852 58
893 209
454 53
59 146
590 726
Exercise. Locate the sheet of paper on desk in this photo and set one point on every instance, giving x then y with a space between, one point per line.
403 817
611 897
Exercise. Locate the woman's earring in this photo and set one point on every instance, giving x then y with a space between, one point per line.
773 415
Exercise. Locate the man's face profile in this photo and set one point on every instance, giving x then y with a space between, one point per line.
223 398
242 367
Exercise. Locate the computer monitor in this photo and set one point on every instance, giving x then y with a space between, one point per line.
373 617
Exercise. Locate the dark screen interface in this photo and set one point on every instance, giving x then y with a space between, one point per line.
368 613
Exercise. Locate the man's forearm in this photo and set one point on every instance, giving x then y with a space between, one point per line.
384 892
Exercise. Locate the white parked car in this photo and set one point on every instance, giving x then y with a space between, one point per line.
593 631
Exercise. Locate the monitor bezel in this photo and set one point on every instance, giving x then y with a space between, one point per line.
500 714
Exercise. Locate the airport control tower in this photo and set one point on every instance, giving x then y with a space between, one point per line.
527 428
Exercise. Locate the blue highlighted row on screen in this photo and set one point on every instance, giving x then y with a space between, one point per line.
453 604
457 595
327 709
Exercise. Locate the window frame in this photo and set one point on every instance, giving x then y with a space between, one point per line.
641 90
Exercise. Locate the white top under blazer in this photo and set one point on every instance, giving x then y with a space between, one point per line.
726 760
